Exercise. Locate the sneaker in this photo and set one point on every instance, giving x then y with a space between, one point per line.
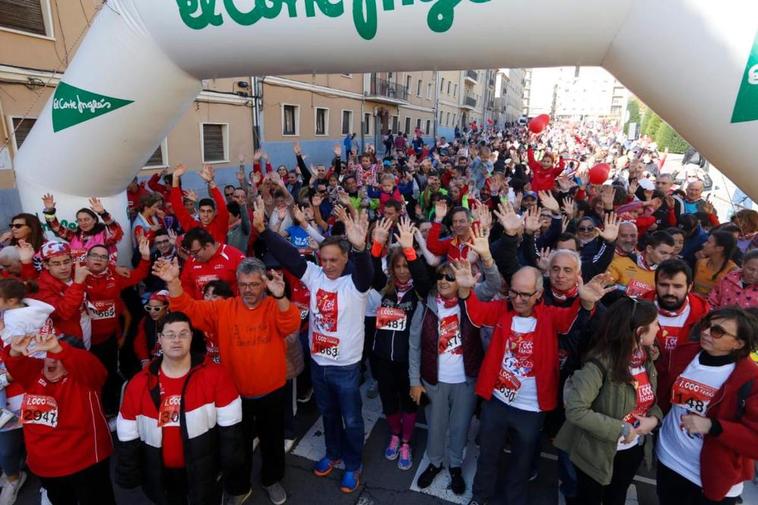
406 461
43 499
306 397
256 441
457 484
350 481
276 493
391 451
427 477
5 417
238 499
324 466
289 443
10 490
373 390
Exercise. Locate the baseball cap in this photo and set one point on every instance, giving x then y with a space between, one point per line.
53 248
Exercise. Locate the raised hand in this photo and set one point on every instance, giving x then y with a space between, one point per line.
297 149
337 150
565 221
569 207
356 230
96 205
20 344
144 248
532 220
190 195
317 200
542 258
480 242
207 173
180 170
382 231
124 271
463 275
25 251
607 195
257 155
440 210
591 292
297 215
275 283
610 231
81 273
167 271
549 202
259 215
510 221
48 201
406 232
46 342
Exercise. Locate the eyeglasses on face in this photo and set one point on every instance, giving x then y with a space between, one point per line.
717 331
94 256
153 308
519 294
447 276
182 335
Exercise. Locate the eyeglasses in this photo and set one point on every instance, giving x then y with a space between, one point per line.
153 308
182 335
195 252
448 277
518 294
16 226
585 229
103 257
717 331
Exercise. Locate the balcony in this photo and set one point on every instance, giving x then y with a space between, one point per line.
386 91
472 75
469 102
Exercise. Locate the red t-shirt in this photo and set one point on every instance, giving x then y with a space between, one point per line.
168 420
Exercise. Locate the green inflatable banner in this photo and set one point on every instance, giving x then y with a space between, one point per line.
746 106
72 105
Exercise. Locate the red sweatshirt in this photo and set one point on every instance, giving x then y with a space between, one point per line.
64 427
68 300
222 266
104 303
155 184
452 248
218 228
543 180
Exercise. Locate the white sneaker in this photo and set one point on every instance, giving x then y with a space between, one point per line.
44 500
289 443
10 490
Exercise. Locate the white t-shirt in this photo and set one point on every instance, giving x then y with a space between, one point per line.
691 393
450 368
516 384
336 319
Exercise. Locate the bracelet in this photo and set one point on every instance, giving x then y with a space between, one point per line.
278 297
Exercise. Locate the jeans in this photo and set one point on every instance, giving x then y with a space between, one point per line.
673 489
448 416
498 423
107 353
338 397
625 465
11 451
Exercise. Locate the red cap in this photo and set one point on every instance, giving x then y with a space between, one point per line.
52 249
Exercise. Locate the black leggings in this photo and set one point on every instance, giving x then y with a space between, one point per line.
394 385
625 465
91 486
673 489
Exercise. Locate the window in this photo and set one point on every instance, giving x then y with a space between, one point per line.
408 82
347 122
442 84
429 91
290 120
407 125
418 88
21 128
455 90
159 158
322 121
428 125
447 119
455 116
367 123
418 124
215 142
448 86
29 16
395 124
441 115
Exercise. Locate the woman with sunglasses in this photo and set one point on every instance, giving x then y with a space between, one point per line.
146 340
89 231
25 228
445 355
709 437
610 404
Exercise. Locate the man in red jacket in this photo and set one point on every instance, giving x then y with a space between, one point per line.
457 246
519 376
62 286
104 305
212 211
209 260
68 443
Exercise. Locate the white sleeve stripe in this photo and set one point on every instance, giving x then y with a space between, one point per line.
126 429
230 414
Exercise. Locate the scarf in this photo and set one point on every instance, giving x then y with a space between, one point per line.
447 303
562 296
644 265
403 287
673 313
639 356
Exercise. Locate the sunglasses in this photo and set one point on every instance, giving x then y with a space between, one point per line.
447 277
16 226
717 331
151 308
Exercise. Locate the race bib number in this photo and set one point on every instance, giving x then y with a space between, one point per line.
391 319
104 309
168 415
692 395
507 385
450 335
327 310
636 289
325 346
39 409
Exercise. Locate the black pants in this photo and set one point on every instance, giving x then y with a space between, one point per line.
175 486
107 353
673 489
89 486
394 385
625 465
261 417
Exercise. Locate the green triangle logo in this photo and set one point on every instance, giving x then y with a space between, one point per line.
72 105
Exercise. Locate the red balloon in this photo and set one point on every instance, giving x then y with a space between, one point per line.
599 173
537 124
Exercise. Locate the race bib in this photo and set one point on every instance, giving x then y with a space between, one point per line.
692 395
450 335
636 289
39 409
325 346
507 385
168 415
104 309
391 318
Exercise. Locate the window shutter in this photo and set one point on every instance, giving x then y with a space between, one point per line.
22 127
213 142
24 15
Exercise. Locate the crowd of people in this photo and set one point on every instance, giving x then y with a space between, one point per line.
491 276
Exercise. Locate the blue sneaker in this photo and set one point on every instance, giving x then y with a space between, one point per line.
324 466
350 481
393 448
406 460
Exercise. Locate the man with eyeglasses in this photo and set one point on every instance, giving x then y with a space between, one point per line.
519 377
105 307
208 261
165 248
250 330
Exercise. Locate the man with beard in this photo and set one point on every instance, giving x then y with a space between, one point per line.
627 239
678 309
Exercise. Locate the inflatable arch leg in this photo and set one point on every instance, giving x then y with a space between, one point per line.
138 69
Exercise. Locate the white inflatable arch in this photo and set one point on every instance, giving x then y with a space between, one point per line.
695 62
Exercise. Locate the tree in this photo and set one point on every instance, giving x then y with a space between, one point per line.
653 125
646 122
666 136
633 107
